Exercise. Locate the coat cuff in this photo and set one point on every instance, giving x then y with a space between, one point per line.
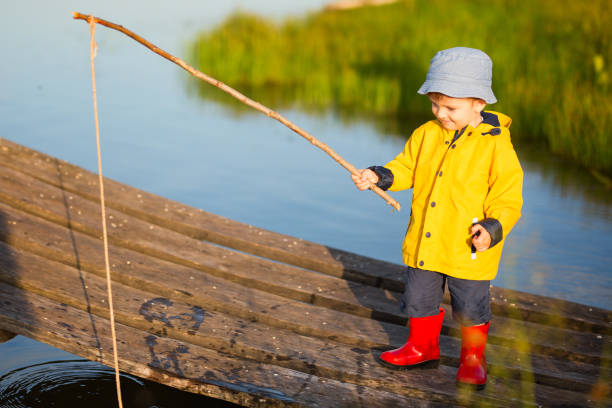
385 177
495 230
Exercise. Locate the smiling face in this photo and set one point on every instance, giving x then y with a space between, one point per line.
456 113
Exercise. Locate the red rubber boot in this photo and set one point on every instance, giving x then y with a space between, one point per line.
422 349
472 363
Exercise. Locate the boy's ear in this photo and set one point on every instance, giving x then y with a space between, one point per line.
478 104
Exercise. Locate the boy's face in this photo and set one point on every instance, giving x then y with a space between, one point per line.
456 113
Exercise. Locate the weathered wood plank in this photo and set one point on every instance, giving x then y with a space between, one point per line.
193 325
183 365
37 235
168 279
184 219
135 308
284 280
202 225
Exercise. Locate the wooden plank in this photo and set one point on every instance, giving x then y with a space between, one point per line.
168 279
194 222
37 235
212 330
202 225
80 214
182 365
550 311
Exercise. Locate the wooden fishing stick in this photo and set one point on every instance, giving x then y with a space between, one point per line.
242 98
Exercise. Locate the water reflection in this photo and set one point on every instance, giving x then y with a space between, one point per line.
568 181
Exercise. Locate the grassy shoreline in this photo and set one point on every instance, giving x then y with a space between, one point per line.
551 63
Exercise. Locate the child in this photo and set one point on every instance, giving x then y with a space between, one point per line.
467 183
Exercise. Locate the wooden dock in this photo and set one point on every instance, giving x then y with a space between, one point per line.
217 307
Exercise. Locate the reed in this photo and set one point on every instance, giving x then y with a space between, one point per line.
551 59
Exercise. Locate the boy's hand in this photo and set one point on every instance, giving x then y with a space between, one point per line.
480 238
366 177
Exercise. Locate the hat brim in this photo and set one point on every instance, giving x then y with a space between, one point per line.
455 90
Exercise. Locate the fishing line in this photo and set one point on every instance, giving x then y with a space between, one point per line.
93 47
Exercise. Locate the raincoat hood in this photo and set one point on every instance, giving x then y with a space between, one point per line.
496 119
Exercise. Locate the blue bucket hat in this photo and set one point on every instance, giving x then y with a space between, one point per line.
460 72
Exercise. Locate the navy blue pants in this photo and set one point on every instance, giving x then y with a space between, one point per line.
470 299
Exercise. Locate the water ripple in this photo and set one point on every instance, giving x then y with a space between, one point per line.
78 382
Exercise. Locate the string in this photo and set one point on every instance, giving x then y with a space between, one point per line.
93 47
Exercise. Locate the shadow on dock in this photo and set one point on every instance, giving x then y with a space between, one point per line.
77 258
8 271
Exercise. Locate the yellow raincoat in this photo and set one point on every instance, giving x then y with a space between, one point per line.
474 178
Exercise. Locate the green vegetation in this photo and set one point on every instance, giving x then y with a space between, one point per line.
551 59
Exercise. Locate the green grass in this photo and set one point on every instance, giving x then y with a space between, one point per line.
551 70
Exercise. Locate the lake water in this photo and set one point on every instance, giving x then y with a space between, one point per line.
158 135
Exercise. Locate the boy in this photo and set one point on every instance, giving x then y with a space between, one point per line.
467 183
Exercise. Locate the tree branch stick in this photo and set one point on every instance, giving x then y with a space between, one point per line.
242 98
